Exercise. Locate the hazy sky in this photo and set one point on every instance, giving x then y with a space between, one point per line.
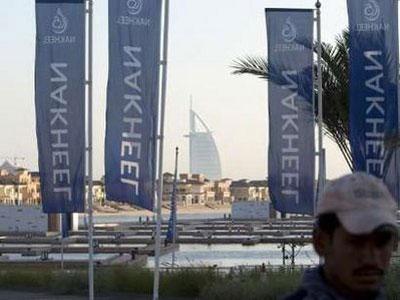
205 37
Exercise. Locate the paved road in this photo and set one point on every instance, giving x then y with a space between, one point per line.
13 295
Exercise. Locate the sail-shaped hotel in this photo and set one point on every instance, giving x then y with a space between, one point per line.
203 156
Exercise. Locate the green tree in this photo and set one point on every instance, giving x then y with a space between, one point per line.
335 88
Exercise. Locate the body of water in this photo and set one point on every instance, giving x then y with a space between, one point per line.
220 255
199 255
231 255
82 257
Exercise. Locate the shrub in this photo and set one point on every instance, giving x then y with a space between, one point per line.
124 280
187 282
253 286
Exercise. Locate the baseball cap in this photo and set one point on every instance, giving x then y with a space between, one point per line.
361 202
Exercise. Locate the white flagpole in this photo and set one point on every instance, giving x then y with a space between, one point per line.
321 162
90 147
321 150
314 83
161 148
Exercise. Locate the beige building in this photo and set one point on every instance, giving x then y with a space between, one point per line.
8 191
201 189
34 189
223 191
184 196
168 180
98 192
244 190
18 186
261 189
209 192
191 189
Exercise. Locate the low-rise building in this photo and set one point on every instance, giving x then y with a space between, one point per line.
209 192
8 191
18 186
201 189
98 192
260 189
244 190
34 189
168 180
223 191
191 189
184 196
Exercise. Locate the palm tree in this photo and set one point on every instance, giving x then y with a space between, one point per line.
335 88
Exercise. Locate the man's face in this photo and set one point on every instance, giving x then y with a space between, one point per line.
357 263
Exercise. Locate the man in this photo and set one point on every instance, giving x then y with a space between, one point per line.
355 235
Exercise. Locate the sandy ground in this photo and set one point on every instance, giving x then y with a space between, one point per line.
222 209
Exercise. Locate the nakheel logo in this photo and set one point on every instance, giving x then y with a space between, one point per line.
289 35
59 26
133 17
134 6
289 31
372 10
60 22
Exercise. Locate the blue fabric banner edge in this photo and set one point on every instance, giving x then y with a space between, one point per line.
59 1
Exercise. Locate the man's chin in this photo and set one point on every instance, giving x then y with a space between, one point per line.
367 283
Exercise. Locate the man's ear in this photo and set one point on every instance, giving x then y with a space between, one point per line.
321 242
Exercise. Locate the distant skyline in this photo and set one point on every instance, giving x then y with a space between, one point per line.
205 37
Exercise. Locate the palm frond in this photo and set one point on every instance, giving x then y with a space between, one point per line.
253 65
335 87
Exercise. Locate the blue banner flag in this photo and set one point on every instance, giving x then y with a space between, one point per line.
291 154
171 232
60 103
132 101
373 88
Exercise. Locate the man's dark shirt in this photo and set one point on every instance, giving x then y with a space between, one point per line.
315 287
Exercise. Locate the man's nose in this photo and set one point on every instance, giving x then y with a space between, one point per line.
369 254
